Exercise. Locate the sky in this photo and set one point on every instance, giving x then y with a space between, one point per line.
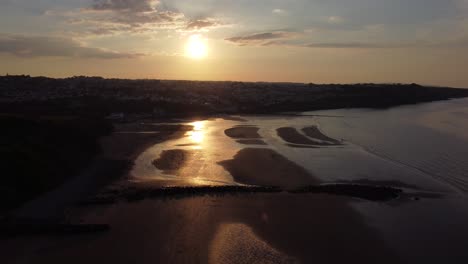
318 41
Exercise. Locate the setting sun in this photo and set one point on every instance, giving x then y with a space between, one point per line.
196 47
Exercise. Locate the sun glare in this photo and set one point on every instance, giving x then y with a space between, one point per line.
197 134
196 47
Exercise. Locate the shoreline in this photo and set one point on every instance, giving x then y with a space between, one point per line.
305 218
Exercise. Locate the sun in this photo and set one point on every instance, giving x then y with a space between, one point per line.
196 47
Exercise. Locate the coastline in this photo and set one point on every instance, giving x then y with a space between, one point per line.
305 219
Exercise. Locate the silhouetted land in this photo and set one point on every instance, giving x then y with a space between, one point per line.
41 153
95 95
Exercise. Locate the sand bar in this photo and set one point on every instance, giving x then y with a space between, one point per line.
243 132
267 168
171 161
291 135
315 133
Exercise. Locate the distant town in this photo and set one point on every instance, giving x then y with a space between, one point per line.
116 97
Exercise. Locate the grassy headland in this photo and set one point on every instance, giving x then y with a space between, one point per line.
40 153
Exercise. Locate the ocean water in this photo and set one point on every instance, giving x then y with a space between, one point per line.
430 139
423 145
420 148
430 142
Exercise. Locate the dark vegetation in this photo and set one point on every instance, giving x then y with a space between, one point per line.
132 193
40 153
136 193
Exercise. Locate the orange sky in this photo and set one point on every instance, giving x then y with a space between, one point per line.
291 40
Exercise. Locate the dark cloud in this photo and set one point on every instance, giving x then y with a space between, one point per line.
44 46
136 20
133 5
352 45
285 38
264 39
260 36
202 24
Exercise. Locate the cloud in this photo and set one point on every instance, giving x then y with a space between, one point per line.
463 4
46 46
113 17
263 39
353 45
131 15
128 5
290 39
200 24
280 12
335 19
116 17
259 36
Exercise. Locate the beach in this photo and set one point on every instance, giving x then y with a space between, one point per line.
233 229
195 194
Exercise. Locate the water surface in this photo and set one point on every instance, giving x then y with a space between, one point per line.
420 145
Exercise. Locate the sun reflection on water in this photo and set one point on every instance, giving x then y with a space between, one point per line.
197 135
198 125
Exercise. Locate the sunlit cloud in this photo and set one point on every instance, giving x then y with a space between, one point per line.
130 17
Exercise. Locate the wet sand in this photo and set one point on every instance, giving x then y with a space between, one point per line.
251 142
152 223
266 167
315 133
234 118
171 161
130 140
302 146
243 132
261 228
291 135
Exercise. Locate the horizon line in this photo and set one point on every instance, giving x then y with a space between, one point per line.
231 81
